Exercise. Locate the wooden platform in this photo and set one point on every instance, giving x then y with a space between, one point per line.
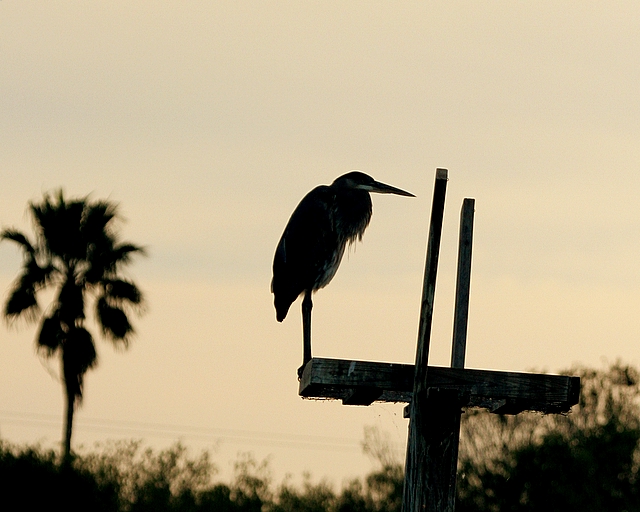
364 382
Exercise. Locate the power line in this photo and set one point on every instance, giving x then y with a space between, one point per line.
172 431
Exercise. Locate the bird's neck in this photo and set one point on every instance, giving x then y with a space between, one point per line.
354 213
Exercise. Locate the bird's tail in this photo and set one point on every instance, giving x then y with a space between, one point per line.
282 308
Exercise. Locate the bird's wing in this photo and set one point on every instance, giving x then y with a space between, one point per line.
305 249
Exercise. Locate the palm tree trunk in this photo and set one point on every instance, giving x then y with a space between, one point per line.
68 424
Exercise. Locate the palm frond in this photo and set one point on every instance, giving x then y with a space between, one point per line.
22 301
58 224
35 273
19 238
51 335
96 219
99 263
104 262
121 290
123 252
38 276
114 321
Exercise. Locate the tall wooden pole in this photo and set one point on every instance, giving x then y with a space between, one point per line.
463 284
423 467
429 283
460 321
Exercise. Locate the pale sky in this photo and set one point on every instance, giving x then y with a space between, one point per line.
208 121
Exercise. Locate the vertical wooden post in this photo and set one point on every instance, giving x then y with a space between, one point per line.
429 283
460 321
463 284
423 469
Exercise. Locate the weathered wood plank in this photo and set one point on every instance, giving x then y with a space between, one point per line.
440 450
463 284
337 378
425 458
500 392
362 396
423 466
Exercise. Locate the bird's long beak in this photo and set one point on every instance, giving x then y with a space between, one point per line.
382 188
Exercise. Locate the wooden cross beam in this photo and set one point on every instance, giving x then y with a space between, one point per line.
365 382
437 395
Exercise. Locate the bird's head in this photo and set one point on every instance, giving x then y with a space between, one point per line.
356 180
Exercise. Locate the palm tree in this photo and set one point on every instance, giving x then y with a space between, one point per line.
77 253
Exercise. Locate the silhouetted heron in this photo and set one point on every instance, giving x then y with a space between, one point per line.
312 245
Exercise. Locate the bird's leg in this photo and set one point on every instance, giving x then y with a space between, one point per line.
306 331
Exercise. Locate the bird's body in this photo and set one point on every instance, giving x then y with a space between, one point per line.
313 243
